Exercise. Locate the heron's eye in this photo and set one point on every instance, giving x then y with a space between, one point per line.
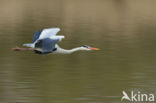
85 46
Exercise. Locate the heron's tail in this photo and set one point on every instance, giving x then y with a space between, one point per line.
29 45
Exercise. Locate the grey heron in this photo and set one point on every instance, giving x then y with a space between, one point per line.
45 42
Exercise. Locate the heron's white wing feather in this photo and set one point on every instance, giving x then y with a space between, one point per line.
47 33
60 37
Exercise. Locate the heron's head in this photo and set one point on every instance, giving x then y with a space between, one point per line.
85 47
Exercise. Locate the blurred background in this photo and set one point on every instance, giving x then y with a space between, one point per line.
124 30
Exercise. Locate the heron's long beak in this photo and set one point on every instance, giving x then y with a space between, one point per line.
91 48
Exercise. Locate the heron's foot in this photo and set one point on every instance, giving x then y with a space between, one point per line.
16 48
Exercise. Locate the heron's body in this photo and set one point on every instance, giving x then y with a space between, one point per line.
45 42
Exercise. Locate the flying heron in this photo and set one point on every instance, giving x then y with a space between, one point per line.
45 42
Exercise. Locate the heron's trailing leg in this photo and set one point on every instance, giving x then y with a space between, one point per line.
23 49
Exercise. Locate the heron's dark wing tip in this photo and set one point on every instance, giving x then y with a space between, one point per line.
37 35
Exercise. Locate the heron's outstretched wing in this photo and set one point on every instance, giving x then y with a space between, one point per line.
37 35
46 45
47 33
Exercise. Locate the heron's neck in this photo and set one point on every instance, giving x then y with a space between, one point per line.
64 51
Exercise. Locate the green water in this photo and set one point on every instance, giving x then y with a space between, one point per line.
124 30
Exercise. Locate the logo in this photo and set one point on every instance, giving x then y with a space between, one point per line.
137 97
